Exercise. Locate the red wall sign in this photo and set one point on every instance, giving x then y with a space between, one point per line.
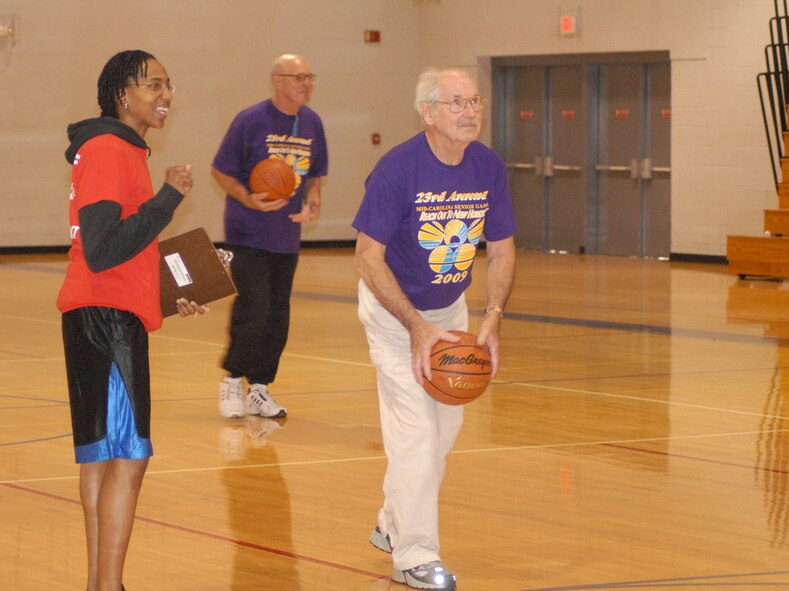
568 24
568 114
526 115
622 114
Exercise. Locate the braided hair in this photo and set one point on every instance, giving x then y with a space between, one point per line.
115 76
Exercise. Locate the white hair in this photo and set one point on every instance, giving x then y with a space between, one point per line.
428 85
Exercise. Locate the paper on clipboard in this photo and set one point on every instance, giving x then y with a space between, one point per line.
191 268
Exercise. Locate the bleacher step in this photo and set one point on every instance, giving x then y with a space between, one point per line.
776 222
758 256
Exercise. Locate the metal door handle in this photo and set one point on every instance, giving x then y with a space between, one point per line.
608 168
547 166
632 169
646 169
647 164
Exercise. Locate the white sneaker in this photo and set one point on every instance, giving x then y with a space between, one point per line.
260 402
231 398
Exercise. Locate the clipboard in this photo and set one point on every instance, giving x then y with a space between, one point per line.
190 268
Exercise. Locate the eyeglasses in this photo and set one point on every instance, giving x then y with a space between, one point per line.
156 86
459 103
300 77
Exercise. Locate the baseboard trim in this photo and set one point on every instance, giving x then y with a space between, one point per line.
64 249
712 259
680 257
309 244
34 249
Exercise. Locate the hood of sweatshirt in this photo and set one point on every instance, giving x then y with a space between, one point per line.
82 131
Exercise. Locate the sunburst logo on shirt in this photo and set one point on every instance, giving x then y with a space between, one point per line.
451 245
299 164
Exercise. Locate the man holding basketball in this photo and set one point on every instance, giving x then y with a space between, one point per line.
427 203
264 234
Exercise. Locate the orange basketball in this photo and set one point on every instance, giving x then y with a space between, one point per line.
273 176
460 371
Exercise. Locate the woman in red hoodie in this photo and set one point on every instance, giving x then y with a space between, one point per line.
110 299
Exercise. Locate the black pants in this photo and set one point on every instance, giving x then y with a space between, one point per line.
261 313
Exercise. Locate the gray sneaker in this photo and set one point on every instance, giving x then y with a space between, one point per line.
231 398
381 541
431 575
260 402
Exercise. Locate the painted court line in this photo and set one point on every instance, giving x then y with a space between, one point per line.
640 399
40 439
714 580
217 537
545 446
705 581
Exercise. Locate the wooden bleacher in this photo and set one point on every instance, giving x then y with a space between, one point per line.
768 255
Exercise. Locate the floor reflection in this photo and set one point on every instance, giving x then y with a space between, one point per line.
760 302
772 459
767 303
258 507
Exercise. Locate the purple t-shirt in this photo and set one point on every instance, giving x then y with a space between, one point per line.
256 133
431 216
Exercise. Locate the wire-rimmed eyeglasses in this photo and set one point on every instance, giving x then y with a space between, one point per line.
458 104
156 86
300 77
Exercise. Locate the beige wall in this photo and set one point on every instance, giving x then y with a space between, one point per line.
218 53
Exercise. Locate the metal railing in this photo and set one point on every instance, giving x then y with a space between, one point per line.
773 87
773 126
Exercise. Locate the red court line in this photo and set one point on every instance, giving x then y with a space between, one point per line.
342 567
212 536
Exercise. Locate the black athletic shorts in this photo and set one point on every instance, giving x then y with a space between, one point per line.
106 354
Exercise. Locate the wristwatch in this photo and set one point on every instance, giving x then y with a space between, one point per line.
495 309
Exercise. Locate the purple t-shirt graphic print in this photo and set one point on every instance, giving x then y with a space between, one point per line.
259 132
431 216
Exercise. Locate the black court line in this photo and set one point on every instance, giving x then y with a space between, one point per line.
521 317
39 440
711 335
692 333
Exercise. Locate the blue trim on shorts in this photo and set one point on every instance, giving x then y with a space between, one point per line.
122 440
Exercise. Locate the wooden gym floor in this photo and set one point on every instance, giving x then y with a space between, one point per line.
635 438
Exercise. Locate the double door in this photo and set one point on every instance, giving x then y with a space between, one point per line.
588 150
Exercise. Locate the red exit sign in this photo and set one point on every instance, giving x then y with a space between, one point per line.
568 24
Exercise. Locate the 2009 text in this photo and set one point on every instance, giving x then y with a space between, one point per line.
449 278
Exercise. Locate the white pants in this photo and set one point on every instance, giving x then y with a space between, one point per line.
418 432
